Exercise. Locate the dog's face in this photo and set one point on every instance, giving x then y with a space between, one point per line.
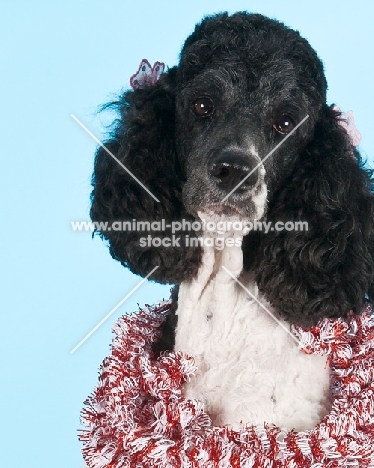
239 96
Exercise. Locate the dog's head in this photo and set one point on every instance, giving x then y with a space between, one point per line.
244 82
240 128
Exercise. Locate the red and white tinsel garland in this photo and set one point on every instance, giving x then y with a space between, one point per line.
138 417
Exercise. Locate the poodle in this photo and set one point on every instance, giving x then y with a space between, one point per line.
233 141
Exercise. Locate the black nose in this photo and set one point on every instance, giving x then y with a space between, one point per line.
230 168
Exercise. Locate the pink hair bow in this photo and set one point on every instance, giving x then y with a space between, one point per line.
146 74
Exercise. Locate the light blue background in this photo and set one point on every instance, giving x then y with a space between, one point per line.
59 58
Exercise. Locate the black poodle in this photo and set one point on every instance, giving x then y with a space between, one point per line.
243 83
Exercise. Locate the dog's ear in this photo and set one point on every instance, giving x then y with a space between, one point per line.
327 270
138 226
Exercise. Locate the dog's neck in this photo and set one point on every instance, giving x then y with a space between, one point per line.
249 366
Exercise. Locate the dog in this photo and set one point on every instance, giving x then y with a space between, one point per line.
239 133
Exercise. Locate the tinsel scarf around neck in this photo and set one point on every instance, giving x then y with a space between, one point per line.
137 415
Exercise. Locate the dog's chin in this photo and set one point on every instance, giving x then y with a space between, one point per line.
223 219
249 208
224 213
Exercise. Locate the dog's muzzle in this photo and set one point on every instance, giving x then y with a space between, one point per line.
230 168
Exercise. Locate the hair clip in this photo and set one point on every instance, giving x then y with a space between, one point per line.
347 121
146 74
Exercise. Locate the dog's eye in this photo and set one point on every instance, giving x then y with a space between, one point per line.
284 124
203 107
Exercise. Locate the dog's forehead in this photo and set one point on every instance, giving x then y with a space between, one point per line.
252 47
216 78
222 76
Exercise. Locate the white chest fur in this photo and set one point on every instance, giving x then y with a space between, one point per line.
250 369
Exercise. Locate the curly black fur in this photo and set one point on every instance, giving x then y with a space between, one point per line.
328 270
143 141
254 69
